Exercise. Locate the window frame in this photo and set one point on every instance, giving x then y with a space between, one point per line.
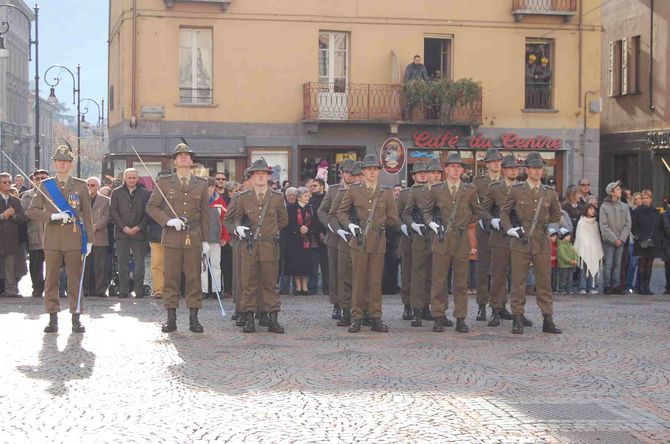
550 54
194 99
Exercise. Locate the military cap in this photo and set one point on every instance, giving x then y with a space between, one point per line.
260 165
419 167
63 152
492 154
347 165
534 160
246 175
454 157
434 165
509 161
357 170
182 147
371 161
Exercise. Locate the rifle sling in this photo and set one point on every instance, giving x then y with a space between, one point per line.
452 215
535 216
368 223
257 230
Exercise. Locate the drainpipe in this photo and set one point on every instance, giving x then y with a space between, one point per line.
651 57
133 86
580 85
586 94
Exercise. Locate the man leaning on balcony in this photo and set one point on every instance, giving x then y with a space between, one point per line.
415 71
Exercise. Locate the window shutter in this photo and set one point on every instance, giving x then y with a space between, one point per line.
610 71
624 66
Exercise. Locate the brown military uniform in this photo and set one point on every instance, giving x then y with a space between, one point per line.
368 261
344 285
405 252
538 249
236 245
454 251
420 248
62 242
182 249
331 242
260 267
481 184
499 244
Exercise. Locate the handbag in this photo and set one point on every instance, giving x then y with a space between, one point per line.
647 243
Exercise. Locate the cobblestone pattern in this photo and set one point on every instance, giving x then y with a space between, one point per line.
606 379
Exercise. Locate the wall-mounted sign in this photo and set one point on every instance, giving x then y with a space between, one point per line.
152 112
447 139
658 140
392 155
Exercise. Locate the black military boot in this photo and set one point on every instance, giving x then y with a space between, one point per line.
426 315
416 322
505 314
337 312
481 314
76 324
438 326
235 316
52 326
249 322
345 321
355 326
379 326
495 318
517 325
548 326
193 323
407 313
526 322
263 319
460 325
367 320
447 322
171 324
273 323
241 319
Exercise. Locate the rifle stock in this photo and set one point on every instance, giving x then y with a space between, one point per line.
248 240
516 223
358 234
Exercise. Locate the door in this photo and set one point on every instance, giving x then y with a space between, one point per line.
333 75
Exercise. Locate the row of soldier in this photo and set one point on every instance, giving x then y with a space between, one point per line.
433 216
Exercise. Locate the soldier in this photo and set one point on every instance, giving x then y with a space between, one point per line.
419 177
331 236
536 206
180 204
344 267
493 160
499 241
267 214
377 212
458 206
68 234
236 245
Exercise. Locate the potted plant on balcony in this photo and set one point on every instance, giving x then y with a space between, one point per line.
462 92
416 94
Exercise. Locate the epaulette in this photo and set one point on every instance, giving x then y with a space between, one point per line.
479 178
244 192
518 184
356 185
417 185
467 185
549 187
404 190
385 187
277 192
76 179
495 183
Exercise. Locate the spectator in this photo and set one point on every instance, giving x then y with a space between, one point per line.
291 195
285 184
584 192
572 206
589 248
615 225
567 260
35 231
230 189
415 71
634 202
318 233
96 264
11 217
298 242
19 183
128 211
154 233
553 238
220 183
647 229
217 236
105 191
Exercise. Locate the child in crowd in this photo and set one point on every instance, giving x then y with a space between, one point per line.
567 261
553 235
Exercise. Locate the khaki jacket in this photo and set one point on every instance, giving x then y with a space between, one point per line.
35 228
101 216
322 212
334 222
493 201
403 197
58 236
191 202
419 196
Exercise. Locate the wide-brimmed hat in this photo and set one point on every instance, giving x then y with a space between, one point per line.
183 147
371 161
260 165
419 167
63 152
434 165
492 154
509 161
534 160
347 165
357 170
454 157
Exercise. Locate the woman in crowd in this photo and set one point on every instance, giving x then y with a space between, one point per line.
647 231
634 201
588 244
217 236
572 206
298 241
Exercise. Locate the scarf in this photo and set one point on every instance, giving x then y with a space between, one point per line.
589 244
304 217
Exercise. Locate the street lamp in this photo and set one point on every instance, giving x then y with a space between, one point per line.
76 91
101 115
5 53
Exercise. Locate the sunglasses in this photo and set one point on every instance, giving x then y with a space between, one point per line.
91 185
220 178
584 184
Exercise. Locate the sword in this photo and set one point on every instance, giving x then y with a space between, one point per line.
215 283
155 183
32 183
666 164
81 283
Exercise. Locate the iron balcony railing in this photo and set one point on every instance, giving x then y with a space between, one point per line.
360 102
538 95
565 8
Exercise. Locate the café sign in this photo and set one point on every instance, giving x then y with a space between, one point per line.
393 155
424 139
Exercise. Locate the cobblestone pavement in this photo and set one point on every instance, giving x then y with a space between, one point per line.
606 379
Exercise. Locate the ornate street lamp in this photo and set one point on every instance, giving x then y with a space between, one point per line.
76 91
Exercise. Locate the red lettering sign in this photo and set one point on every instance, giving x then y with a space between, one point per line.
508 140
425 140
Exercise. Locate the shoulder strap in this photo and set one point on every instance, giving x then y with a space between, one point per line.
450 222
535 216
372 212
257 230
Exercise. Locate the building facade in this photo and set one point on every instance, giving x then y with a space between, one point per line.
307 83
48 116
635 125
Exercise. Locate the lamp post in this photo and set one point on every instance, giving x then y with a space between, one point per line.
35 41
76 94
101 114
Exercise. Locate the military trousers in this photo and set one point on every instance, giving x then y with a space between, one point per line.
344 268
367 270
175 262
521 261
157 280
405 269
438 294
422 259
500 262
333 276
483 266
237 280
53 260
260 289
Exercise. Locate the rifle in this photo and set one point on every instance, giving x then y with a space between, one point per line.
516 223
437 218
248 239
417 216
353 217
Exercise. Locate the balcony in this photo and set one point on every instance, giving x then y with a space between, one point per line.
224 3
564 8
378 103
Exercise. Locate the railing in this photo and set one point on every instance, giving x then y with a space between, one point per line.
538 95
360 102
544 6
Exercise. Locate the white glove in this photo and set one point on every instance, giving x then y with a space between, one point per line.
331 229
63 217
343 234
481 224
495 223
89 248
176 223
417 227
514 232
241 231
205 248
434 226
403 228
353 228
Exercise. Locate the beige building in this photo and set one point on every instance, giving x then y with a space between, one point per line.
309 82
635 123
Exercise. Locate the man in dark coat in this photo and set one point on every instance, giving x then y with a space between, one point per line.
11 216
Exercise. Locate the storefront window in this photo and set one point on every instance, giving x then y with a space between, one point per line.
277 159
320 162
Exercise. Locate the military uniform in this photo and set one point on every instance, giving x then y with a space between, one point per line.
405 258
368 260
524 200
63 241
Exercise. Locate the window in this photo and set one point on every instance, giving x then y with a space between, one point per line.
538 74
334 60
277 159
111 98
195 66
437 57
623 67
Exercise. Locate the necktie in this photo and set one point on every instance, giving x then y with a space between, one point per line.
453 190
371 191
535 189
184 182
260 197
